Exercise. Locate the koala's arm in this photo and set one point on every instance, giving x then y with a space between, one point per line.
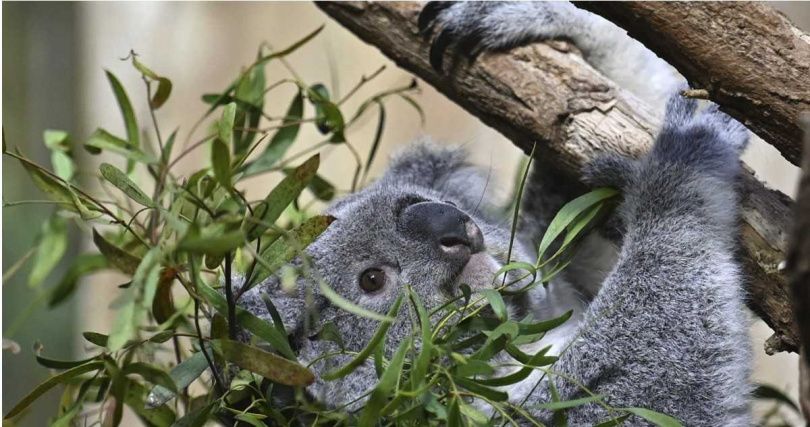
474 26
668 330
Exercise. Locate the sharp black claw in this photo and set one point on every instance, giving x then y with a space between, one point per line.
438 47
429 13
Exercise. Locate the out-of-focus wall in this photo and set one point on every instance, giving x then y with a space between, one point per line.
202 46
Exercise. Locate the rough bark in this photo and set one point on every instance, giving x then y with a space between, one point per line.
544 94
798 269
750 58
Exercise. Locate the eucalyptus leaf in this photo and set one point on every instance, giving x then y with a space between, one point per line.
285 249
282 139
117 257
280 197
83 265
51 383
382 391
375 340
182 375
51 246
266 364
120 180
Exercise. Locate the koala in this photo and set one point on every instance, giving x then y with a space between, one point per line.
658 307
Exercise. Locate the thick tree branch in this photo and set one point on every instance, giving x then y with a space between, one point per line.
542 94
750 58
798 268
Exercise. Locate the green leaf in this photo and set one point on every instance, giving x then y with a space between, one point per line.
569 213
328 117
250 419
539 359
361 357
120 180
136 399
225 125
381 393
130 122
422 363
565 404
656 418
135 303
51 246
290 49
282 139
56 140
164 85
117 257
763 391
61 364
282 195
285 249
250 322
182 375
151 373
50 383
83 265
615 422
496 302
55 189
328 332
103 140
221 162
375 144
196 418
266 364
63 165
95 338
474 387
167 149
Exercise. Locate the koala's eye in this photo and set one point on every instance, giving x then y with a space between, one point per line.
450 203
372 280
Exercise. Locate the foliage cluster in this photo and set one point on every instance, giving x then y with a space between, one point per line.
178 321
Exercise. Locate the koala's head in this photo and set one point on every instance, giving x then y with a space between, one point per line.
422 224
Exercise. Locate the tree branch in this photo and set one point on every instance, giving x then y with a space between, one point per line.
798 268
750 58
538 93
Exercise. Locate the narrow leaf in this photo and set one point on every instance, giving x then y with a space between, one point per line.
121 181
266 364
183 375
50 383
117 257
282 195
51 246
361 357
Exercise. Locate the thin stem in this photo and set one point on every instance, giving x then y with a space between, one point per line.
217 380
35 202
232 329
80 191
363 81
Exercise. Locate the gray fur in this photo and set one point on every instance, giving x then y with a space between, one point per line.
659 318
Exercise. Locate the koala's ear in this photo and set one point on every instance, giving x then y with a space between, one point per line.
425 164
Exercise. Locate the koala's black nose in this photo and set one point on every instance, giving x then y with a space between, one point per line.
449 228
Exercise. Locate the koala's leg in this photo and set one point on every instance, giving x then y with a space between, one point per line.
668 329
474 26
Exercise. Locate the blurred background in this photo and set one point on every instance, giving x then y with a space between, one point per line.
54 57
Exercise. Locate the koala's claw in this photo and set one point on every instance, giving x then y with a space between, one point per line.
454 30
429 13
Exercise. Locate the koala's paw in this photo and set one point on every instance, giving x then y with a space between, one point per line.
610 170
710 141
474 26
